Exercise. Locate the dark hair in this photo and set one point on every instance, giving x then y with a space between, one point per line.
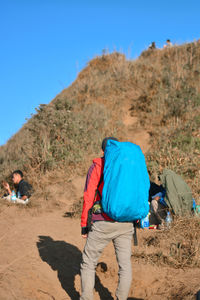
104 142
18 172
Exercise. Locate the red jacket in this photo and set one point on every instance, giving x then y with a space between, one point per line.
92 180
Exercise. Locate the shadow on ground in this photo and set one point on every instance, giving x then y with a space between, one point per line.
65 259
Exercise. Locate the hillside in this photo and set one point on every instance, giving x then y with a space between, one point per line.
153 101
160 91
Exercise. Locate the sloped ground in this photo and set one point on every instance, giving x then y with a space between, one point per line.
162 89
41 253
41 246
135 133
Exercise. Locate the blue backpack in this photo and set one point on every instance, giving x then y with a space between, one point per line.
126 182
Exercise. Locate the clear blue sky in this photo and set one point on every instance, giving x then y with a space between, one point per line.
45 43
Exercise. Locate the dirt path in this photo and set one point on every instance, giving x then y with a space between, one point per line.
134 132
41 254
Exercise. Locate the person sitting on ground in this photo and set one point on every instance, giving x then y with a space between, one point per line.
23 188
158 206
168 44
152 46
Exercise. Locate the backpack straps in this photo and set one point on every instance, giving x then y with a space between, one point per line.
90 211
97 190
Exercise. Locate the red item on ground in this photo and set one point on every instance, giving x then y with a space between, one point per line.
153 227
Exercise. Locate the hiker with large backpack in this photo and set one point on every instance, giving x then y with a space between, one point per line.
116 194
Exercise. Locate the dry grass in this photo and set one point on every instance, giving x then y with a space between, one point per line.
77 208
178 247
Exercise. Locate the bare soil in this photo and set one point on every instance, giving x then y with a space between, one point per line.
41 254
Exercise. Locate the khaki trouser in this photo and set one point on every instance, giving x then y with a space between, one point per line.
158 212
102 233
18 200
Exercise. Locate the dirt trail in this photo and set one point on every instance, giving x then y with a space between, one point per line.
41 254
134 132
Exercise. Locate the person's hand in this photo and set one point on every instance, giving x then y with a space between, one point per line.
84 236
6 185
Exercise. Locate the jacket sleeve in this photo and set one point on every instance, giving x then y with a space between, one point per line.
91 184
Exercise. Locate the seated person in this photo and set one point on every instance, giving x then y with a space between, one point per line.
152 46
23 188
158 207
168 44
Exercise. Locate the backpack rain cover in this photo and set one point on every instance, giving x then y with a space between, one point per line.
126 182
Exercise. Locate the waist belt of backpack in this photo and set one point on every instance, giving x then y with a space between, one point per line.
90 211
